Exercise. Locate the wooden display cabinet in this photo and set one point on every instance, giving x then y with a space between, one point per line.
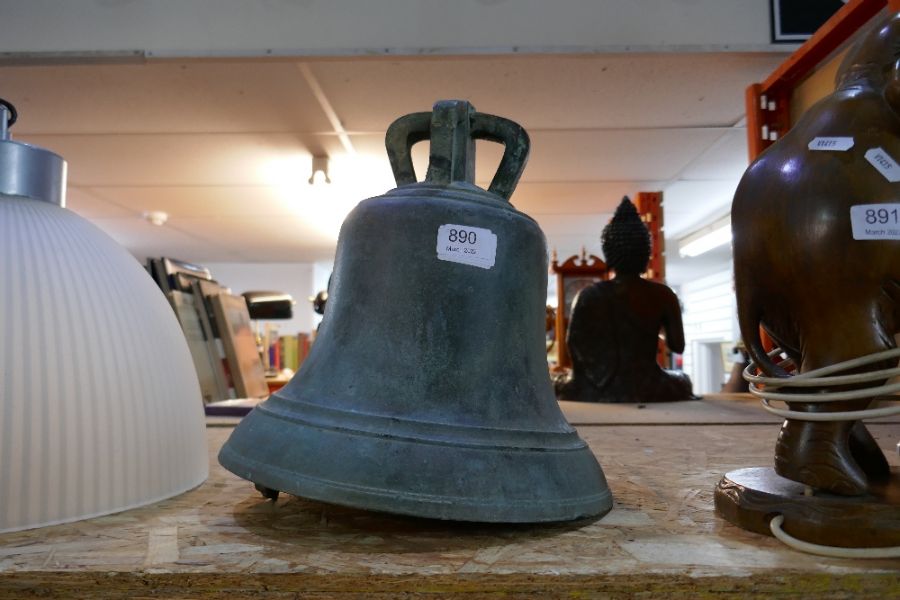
572 276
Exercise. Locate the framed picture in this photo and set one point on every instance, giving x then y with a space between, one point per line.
239 341
794 21
213 385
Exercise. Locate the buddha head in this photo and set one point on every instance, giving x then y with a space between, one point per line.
626 241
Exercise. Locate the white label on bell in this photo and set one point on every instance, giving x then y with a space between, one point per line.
835 144
875 221
467 245
884 163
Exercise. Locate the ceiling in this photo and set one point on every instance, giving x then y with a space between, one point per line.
224 146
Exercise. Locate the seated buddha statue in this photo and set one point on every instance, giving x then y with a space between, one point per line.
614 327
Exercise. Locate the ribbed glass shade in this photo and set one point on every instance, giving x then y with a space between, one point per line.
100 408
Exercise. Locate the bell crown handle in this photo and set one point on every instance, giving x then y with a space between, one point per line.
453 126
517 146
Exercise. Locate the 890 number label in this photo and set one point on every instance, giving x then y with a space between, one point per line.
475 246
462 236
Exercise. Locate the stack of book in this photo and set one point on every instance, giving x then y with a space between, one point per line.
289 352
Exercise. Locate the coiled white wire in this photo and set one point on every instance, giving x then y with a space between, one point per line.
822 378
833 551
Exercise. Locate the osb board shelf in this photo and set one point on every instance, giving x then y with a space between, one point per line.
662 539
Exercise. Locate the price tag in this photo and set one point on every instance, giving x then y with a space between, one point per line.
875 221
834 144
474 246
882 161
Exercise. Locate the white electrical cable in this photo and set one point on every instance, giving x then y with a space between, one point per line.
850 415
841 366
833 551
822 378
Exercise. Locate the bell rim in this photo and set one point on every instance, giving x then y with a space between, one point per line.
424 432
442 506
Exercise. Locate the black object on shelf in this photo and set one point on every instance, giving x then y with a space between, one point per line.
269 305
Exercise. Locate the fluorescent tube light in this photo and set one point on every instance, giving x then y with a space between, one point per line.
706 238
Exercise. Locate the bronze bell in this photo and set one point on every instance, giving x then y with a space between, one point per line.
426 392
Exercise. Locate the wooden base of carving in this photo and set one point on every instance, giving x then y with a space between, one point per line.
750 498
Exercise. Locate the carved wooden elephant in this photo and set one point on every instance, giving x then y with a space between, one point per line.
822 295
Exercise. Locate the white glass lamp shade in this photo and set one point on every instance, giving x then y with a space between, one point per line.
100 408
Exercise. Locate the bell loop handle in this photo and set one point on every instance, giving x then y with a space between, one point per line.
452 128
401 136
516 143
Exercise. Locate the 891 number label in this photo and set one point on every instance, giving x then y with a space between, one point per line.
882 216
875 221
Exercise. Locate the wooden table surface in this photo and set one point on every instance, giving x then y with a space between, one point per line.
662 538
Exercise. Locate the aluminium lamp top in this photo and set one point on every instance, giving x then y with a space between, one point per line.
26 170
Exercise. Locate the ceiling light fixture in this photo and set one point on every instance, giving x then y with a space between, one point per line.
101 408
319 170
706 238
156 217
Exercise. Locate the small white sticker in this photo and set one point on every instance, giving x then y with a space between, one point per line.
834 144
887 166
474 246
875 221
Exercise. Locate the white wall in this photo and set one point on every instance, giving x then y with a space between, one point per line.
295 279
166 28
710 316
